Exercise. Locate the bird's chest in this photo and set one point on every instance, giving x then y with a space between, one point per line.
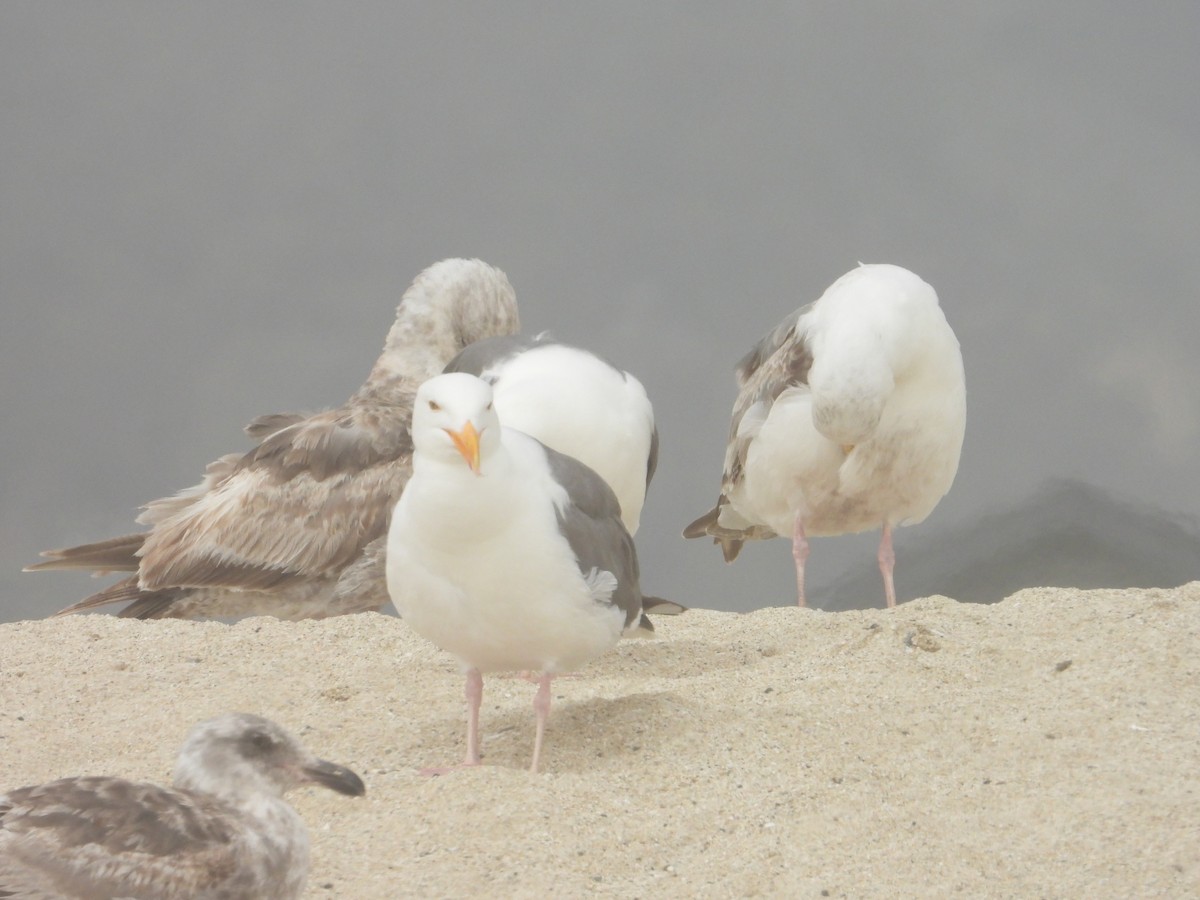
499 598
278 845
894 475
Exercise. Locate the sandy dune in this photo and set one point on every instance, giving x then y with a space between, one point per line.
1047 746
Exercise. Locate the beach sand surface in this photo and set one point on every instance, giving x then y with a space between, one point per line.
1044 746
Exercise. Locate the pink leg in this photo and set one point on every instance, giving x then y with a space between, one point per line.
800 555
474 695
541 706
887 562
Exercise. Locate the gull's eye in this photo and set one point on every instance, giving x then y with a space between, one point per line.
257 743
489 406
434 406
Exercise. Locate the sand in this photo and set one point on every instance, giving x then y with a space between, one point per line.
1046 746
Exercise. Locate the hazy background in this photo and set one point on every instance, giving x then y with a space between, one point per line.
209 211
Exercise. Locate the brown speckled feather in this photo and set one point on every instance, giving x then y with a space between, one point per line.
779 361
222 832
304 502
271 531
57 836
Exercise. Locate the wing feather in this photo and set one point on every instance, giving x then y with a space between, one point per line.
777 363
591 522
302 504
87 837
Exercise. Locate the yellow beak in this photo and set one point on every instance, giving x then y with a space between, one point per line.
467 442
847 448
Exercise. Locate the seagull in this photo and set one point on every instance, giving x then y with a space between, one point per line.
850 416
296 527
223 831
504 552
575 402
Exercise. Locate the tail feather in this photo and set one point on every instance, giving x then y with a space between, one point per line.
142 604
117 554
730 547
122 592
701 526
661 607
645 628
730 539
658 606
153 605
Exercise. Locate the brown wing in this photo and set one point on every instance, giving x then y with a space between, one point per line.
107 837
113 555
302 504
265 426
362 585
120 554
779 361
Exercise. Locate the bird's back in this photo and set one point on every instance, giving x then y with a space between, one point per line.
576 403
86 838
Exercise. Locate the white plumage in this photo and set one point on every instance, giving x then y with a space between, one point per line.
850 416
574 401
503 552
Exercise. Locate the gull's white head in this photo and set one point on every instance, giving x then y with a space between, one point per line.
239 755
454 420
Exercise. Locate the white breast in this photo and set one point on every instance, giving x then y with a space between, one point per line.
476 564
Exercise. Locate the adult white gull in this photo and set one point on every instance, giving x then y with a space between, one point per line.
223 831
296 527
505 553
575 402
850 416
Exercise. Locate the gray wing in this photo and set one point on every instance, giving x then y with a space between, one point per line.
107 837
591 523
652 459
479 357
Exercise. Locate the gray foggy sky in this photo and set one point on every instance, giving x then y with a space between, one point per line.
209 211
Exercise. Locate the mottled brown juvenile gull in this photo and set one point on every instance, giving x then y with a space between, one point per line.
296 527
223 832
505 553
576 403
850 416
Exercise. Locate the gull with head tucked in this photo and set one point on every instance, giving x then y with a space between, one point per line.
850 415
296 527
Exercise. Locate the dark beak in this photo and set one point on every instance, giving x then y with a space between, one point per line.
335 777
